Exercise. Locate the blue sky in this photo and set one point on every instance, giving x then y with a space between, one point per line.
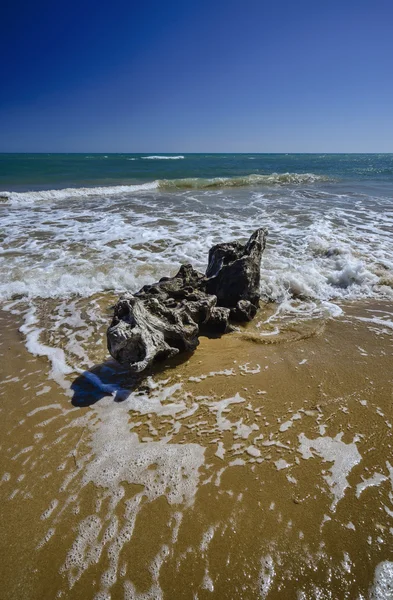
197 76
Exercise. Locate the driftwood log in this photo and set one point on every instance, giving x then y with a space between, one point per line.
166 318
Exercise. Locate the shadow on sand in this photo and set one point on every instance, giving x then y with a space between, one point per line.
112 379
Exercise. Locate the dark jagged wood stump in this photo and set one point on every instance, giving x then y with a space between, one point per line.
166 318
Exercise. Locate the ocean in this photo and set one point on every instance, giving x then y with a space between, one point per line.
71 221
259 466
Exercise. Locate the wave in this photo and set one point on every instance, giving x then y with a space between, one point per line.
241 181
198 183
158 157
16 197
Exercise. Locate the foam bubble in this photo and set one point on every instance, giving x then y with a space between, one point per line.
372 481
47 513
285 426
266 576
220 406
56 356
82 553
207 583
207 538
343 456
382 588
281 464
249 370
49 534
253 451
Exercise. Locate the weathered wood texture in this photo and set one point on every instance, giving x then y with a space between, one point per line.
166 318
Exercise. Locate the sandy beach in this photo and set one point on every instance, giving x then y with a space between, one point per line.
258 467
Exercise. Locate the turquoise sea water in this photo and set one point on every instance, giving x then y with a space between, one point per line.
88 223
22 172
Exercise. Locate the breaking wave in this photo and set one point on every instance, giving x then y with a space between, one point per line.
82 192
197 183
242 180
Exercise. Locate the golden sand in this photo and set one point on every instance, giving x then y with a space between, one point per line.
293 494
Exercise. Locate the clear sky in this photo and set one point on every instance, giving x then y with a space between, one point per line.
196 76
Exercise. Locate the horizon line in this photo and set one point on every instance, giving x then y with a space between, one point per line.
188 153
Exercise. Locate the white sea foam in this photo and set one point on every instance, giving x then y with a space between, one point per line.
220 450
56 356
253 451
281 464
246 369
53 505
161 468
44 407
372 481
266 576
47 537
120 456
382 588
52 195
320 250
207 538
382 325
223 423
284 426
343 456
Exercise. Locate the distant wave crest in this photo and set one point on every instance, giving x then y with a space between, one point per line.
198 183
158 157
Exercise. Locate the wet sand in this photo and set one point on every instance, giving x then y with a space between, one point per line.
258 467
